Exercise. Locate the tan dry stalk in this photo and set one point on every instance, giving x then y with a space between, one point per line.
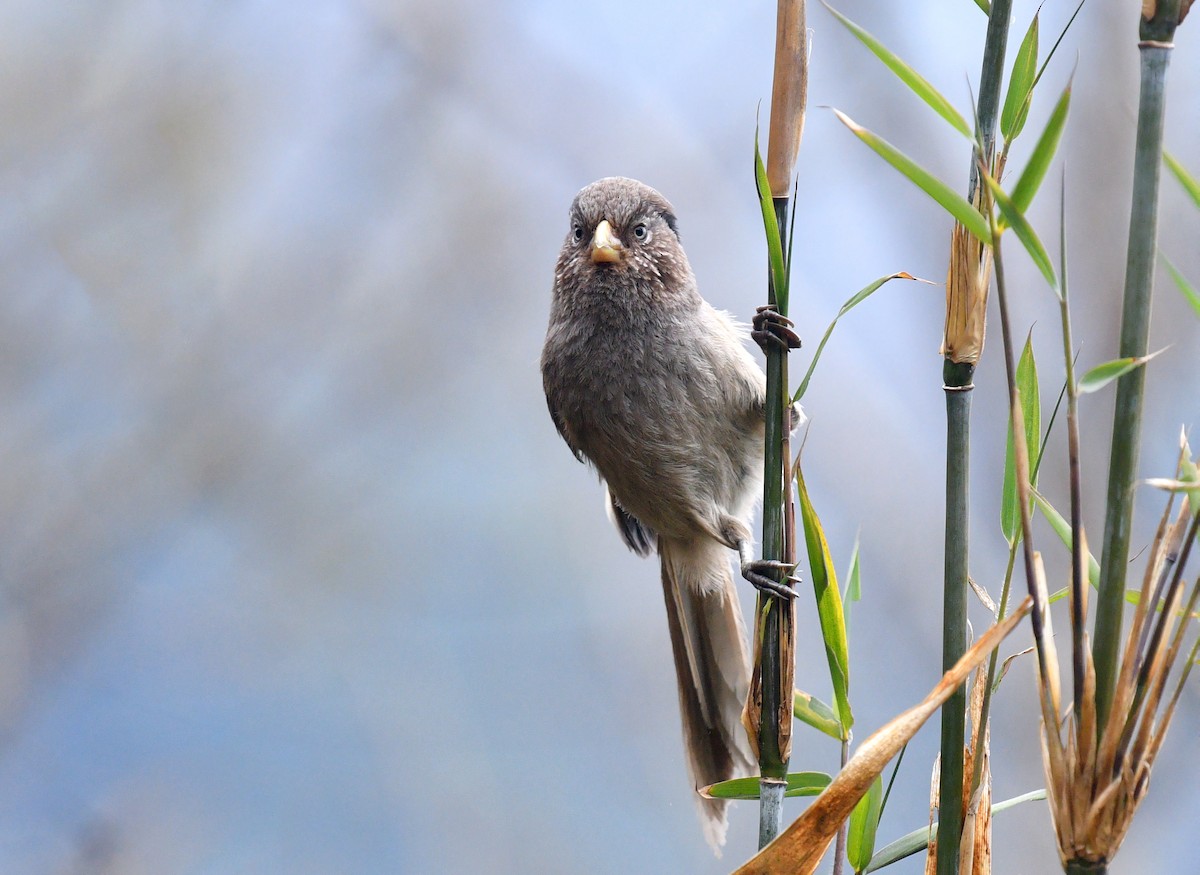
789 96
967 281
1094 785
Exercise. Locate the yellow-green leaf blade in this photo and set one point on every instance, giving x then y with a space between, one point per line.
1027 384
949 199
812 711
918 840
829 603
864 821
779 273
1062 528
1025 233
917 83
1043 153
1189 182
1020 84
798 784
1190 292
1103 374
856 299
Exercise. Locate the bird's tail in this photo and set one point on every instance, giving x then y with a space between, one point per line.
712 666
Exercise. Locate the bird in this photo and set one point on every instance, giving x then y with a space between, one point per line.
655 388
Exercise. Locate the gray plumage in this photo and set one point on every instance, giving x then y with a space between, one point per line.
655 388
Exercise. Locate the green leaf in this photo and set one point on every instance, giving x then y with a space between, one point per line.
1062 528
1057 43
1101 375
949 199
1189 183
854 577
798 784
1189 291
1031 407
864 820
779 272
829 603
910 77
1020 84
1025 233
858 297
1187 471
1043 153
918 840
853 590
985 6
811 710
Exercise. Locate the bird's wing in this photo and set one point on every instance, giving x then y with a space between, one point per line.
563 430
637 536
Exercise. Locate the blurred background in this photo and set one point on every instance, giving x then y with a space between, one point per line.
296 575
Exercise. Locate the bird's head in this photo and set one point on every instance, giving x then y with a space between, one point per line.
624 233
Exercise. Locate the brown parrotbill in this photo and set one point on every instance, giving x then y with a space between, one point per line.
654 387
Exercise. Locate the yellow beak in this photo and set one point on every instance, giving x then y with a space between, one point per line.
605 245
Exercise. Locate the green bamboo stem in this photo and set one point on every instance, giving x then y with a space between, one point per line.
957 380
772 763
1135 337
958 386
990 79
789 91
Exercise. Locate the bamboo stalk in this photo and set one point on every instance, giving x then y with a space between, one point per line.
788 99
957 375
1155 53
772 755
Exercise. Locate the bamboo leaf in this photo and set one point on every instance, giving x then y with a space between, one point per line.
1062 528
1170 484
1043 154
1188 470
949 199
853 591
1101 375
1031 407
856 299
910 77
853 579
812 711
1189 182
779 273
864 821
798 784
985 6
1016 220
829 603
1057 43
1190 292
918 840
1020 84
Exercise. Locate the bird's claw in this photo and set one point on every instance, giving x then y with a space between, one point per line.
758 573
773 328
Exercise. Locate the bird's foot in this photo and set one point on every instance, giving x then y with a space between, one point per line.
762 573
772 328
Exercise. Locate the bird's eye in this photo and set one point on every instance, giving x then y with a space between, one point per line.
578 231
640 232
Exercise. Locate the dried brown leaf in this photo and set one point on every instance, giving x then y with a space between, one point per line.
799 848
